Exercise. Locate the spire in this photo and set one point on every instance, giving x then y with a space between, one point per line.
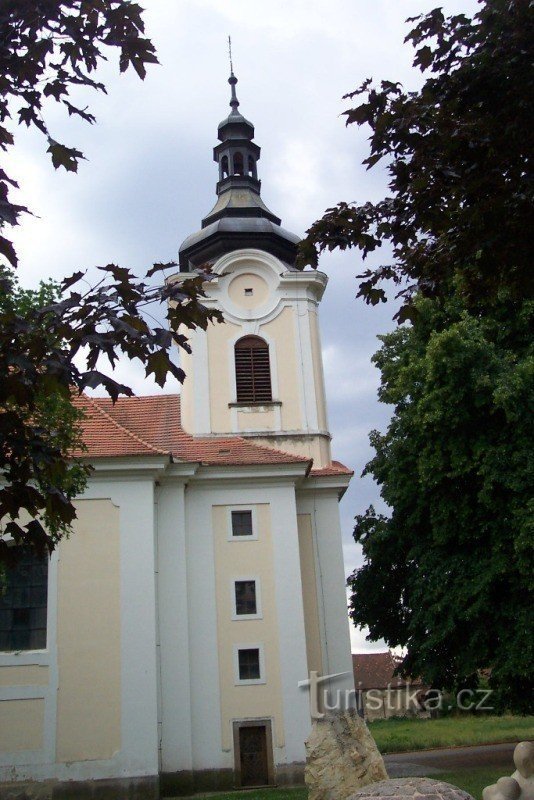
239 218
232 80
236 154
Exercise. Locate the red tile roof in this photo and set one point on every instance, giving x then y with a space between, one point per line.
335 468
105 436
375 671
151 425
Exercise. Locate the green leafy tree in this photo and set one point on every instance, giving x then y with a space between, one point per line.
50 51
448 572
54 419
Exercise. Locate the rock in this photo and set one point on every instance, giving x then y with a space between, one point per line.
404 788
520 786
341 757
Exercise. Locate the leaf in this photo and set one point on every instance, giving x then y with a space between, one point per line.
7 250
159 364
424 58
66 283
160 267
63 156
407 313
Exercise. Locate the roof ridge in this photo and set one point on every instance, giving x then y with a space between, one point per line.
127 431
174 395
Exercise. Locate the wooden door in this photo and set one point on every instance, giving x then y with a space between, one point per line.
254 766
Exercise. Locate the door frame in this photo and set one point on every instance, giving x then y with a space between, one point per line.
253 723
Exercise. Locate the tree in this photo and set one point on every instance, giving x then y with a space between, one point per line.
448 572
459 154
47 50
55 419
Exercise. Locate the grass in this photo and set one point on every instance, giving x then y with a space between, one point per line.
401 735
473 779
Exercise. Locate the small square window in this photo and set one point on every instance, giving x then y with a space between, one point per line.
249 664
249 292
245 598
242 523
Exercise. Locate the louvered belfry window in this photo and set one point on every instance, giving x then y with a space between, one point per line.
252 370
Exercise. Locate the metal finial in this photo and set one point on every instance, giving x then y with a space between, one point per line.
230 55
232 80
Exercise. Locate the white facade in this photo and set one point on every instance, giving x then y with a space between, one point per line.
171 698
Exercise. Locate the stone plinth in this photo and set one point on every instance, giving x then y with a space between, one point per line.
406 788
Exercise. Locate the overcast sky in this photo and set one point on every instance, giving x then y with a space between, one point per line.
150 178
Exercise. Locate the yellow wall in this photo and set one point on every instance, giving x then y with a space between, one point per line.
219 348
256 420
282 331
28 675
21 725
309 446
239 559
309 593
236 291
89 707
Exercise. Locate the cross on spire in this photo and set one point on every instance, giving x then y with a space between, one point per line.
230 55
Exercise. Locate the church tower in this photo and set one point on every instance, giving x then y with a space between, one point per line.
198 658
259 375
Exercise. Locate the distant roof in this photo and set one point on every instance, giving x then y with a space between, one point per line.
151 425
375 671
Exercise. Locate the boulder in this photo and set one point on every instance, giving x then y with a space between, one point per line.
341 757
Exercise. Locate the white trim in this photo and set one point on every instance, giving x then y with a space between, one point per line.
230 534
146 466
201 383
291 630
173 588
29 692
309 399
25 658
249 681
334 483
257 594
330 583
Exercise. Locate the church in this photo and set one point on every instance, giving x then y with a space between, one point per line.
166 646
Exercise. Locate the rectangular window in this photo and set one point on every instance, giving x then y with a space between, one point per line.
245 598
242 523
249 664
23 603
